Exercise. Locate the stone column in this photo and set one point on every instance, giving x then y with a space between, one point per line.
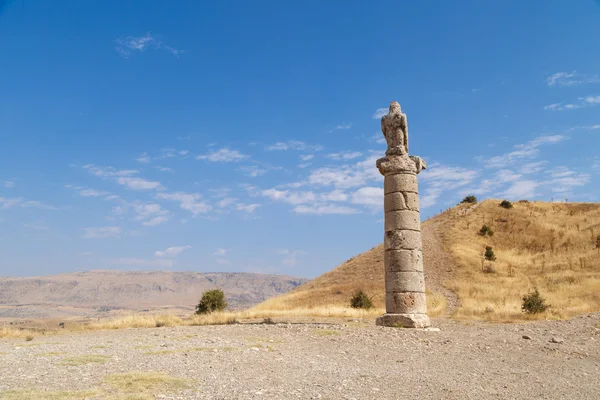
405 301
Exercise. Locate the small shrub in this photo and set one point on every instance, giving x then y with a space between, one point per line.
489 310
506 204
29 338
534 303
361 300
486 231
489 253
212 300
469 200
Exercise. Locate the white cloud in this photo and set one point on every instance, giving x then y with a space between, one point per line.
342 127
249 208
164 169
290 257
171 251
187 201
571 79
144 158
138 183
325 209
183 153
20 202
523 151
36 226
307 157
583 102
346 176
345 155
293 145
369 196
440 178
156 221
131 261
108 172
9 184
126 46
223 155
592 99
101 232
220 252
253 171
380 112
304 165
563 180
525 189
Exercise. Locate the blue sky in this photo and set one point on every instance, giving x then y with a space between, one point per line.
242 136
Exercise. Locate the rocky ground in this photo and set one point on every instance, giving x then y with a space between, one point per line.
334 360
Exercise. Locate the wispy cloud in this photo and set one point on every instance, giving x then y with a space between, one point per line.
573 78
586 101
522 151
101 232
224 155
130 44
344 126
171 251
138 183
21 202
293 145
307 157
144 158
188 201
290 257
253 171
368 196
439 178
380 112
9 184
108 172
345 155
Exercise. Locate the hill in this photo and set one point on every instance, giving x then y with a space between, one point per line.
102 292
554 247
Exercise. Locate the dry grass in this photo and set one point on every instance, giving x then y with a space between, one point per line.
13 333
551 246
138 382
85 359
30 394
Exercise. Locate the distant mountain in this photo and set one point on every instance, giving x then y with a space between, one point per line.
94 292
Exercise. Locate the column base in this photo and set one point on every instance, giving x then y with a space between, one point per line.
404 320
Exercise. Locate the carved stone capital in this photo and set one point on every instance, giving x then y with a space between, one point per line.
396 164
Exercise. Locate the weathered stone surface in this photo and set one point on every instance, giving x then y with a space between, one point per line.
412 201
404 219
401 201
398 282
403 260
395 130
406 303
396 164
404 320
400 183
402 240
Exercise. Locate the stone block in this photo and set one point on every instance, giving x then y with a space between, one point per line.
404 320
402 240
403 260
403 219
399 282
405 303
412 201
400 183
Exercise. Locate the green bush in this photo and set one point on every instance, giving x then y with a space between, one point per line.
534 303
489 253
506 204
361 300
486 231
469 199
212 300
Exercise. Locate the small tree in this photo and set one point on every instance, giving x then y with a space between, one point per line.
212 300
469 199
489 254
534 303
486 231
506 204
361 300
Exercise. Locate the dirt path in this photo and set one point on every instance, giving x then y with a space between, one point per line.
438 264
348 360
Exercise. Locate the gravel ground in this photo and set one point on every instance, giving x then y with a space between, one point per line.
336 360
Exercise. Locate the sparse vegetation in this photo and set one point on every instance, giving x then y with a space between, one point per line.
144 382
30 394
212 300
85 359
361 300
469 199
534 303
489 253
506 204
486 231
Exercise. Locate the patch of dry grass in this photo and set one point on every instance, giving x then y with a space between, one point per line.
12 333
138 382
551 246
30 394
85 359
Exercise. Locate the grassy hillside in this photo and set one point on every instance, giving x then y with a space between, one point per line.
551 246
